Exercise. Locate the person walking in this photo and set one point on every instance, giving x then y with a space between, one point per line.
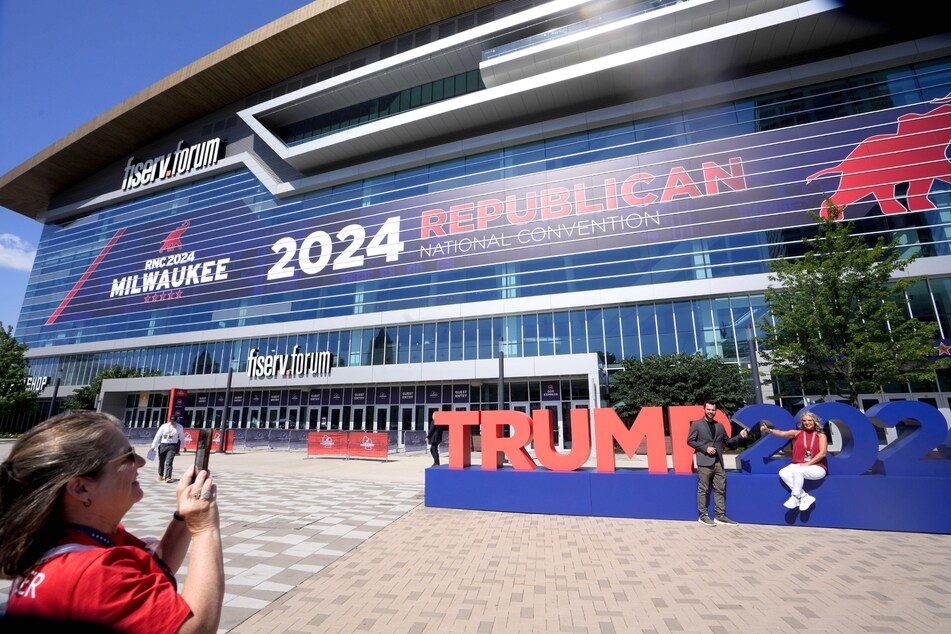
434 436
168 441
708 437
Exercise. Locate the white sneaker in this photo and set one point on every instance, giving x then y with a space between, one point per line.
792 502
806 501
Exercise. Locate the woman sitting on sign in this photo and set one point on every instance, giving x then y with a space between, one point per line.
809 450
64 490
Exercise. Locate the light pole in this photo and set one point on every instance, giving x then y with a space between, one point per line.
501 376
227 413
754 364
59 375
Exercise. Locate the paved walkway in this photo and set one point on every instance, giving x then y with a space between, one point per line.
334 545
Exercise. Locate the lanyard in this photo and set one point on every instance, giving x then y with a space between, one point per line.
103 540
812 443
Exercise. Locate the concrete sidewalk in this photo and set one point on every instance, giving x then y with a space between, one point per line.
335 545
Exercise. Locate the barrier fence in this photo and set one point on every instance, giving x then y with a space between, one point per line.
359 444
299 439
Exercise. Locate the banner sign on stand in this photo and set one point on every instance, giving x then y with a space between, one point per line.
327 443
369 444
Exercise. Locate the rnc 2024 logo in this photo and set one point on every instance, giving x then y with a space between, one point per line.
165 276
915 154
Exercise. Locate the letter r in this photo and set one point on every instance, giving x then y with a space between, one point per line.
494 444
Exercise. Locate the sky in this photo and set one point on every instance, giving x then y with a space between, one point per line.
64 62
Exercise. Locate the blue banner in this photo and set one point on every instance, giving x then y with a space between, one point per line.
751 183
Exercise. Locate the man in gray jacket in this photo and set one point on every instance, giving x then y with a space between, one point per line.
708 437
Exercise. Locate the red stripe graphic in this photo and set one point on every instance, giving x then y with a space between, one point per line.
85 276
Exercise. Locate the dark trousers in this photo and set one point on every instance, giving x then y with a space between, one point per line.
717 475
166 455
434 449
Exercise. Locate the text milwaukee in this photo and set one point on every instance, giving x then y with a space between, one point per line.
282 365
184 159
171 278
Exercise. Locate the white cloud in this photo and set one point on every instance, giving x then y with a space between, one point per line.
16 253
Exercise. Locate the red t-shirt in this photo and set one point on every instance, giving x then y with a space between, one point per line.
807 441
121 587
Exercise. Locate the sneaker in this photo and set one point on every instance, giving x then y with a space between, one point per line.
168 479
161 479
792 502
706 521
725 521
806 501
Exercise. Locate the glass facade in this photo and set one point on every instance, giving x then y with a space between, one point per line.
711 326
241 213
204 258
381 107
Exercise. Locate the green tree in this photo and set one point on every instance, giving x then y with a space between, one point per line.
85 397
14 370
841 322
678 379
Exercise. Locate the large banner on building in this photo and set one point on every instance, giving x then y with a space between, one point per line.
751 183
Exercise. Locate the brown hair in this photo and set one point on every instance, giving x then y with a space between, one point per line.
32 480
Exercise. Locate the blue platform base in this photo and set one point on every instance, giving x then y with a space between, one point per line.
892 503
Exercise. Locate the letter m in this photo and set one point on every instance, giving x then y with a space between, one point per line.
118 287
649 424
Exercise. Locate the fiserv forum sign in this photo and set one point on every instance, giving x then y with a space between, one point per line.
752 183
288 365
184 159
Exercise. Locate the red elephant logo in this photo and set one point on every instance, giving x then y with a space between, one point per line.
174 239
915 154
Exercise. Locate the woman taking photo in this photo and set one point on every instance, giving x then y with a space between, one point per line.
64 490
808 459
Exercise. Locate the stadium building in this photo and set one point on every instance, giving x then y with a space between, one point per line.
369 210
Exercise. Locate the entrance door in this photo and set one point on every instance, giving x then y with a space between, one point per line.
356 422
556 427
254 418
406 424
292 417
336 417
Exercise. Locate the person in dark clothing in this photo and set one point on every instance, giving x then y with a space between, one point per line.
434 437
708 437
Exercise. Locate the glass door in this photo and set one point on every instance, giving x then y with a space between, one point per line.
336 417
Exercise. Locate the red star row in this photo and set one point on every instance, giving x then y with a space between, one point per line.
157 297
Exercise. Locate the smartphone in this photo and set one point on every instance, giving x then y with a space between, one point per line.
202 450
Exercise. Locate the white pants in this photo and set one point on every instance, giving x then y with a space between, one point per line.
794 475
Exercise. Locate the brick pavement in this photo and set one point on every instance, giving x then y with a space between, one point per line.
443 570
330 545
